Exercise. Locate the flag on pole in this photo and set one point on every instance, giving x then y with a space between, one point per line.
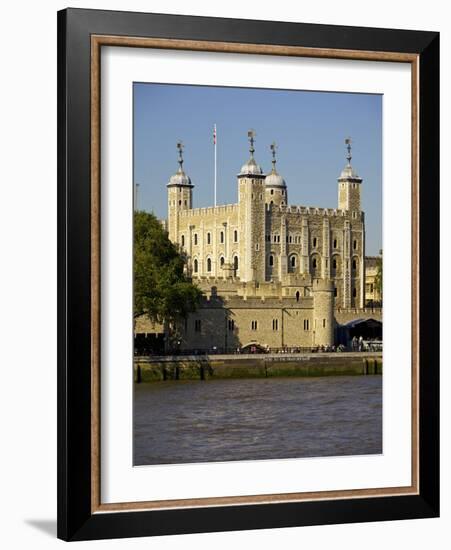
214 143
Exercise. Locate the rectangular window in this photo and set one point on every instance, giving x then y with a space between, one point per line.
275 324
195 238
231 324
306 324
208 238
324 323
254 325
197 325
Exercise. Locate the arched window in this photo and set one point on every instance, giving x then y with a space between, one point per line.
335 243
209 265
183 240
354 264
235 236
272 193
271 260
297 295
293 261
221 237
195 238
208 238
354 245
221 261
314 263
196 266
235 263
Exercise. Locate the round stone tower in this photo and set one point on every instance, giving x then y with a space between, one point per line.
323 312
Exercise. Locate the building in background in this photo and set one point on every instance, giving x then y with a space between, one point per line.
373 281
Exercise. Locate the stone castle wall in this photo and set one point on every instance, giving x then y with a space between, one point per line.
238 322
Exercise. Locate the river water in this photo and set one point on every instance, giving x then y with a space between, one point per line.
222 420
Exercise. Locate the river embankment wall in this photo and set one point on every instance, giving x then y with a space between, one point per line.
209 367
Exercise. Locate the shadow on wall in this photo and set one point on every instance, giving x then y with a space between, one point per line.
211 328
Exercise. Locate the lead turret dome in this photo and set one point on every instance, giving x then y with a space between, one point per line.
251 168
180 178
348 171
274 179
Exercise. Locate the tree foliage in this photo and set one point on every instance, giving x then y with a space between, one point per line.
161 289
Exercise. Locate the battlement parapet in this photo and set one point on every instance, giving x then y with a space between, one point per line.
257 302
209 210
313 211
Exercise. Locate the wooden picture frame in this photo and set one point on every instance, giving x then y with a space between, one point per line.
81 35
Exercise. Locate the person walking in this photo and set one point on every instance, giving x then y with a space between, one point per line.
361 343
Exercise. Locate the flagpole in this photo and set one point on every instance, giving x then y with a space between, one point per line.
214 137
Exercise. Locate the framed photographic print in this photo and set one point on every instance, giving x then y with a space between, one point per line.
248 274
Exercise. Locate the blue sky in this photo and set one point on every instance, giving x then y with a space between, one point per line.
308 127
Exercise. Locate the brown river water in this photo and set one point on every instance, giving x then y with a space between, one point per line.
222 420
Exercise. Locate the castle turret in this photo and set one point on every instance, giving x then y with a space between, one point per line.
251 197
275 186
349 186
180 196
323 312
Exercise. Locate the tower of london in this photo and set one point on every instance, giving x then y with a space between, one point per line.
273 274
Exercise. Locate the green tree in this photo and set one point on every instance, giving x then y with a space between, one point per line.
161 289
